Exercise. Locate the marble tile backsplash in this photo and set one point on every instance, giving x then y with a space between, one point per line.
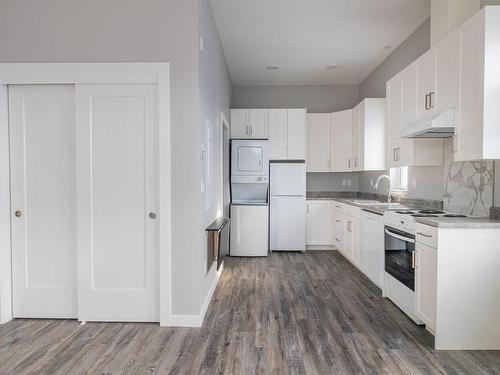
468 186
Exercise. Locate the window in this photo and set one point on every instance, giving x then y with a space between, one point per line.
399 178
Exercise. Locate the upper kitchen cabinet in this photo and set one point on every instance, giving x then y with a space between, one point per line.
477 123
409 78
368 136
287 134
296 134
342 141
318 158
403 152
249 124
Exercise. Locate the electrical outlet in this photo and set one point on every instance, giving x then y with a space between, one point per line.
344 182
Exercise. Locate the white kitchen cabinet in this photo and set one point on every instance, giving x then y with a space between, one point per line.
369 135
409 78
426 285
342 141
447 15
477 134
318 158
296 134
287 134
239 123
249 123
436 79
319 222
352 240
403 151
277 134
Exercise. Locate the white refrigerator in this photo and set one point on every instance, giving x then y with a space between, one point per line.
287 206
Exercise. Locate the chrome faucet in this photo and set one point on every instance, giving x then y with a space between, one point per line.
389 199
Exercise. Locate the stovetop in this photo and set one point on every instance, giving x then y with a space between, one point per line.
405 219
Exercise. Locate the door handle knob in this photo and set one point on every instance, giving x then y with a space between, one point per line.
18 213
152 215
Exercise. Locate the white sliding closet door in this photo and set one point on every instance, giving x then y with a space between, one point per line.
42 146
116 128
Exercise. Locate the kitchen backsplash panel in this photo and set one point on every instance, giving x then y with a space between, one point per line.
468 186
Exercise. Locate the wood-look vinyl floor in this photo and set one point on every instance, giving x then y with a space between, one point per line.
289 313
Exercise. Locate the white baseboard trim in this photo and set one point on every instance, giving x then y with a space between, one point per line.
180 320
319 247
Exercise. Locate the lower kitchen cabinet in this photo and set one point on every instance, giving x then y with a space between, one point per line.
426 285
352 237
319 222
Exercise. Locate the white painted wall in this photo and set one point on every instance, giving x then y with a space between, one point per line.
132 31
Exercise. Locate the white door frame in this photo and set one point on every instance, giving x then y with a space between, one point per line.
89 73
224 125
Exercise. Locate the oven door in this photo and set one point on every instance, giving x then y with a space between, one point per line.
400 256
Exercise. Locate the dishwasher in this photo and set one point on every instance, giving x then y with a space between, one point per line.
372 247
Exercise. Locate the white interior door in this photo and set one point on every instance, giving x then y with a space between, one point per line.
116 163
42 130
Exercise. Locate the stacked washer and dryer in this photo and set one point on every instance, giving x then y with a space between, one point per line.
249 198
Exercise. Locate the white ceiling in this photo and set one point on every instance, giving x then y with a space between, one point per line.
302 37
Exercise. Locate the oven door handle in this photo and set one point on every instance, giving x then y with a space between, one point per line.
399 237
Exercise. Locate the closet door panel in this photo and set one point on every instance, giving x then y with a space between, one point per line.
116 154
42 143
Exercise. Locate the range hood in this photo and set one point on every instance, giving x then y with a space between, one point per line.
441 125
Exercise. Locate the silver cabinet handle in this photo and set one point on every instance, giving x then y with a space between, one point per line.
246 130
413 261
426 102
251 129
431 103
424 235
307 208
349 164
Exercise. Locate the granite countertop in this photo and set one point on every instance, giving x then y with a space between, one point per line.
459 222
377 209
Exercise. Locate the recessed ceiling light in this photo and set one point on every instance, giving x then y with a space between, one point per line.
387 47
336 66
272 67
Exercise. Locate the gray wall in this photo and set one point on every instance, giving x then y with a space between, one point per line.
215 97
129 31
413 47
317 99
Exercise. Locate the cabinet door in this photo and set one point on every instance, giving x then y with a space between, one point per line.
468 131
426 284
409 95
353 233
342 141
357 141
239 123
348 238
257 121
296 134
319 223
277 134
393 111
446 68
318 142
426 87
